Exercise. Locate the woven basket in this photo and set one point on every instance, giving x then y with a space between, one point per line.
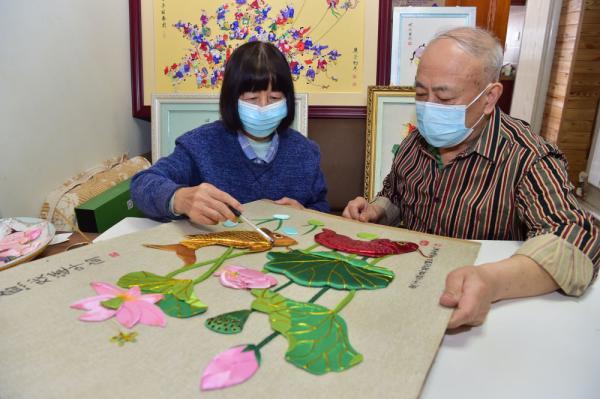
86 185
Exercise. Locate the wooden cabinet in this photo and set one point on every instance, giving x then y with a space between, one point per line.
491 14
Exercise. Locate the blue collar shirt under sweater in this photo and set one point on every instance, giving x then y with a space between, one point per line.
248 147
212 154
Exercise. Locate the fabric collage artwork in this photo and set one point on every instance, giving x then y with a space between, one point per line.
318 340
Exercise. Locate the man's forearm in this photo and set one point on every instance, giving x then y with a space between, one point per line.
518 276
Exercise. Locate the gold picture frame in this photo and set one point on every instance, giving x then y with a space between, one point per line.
391 116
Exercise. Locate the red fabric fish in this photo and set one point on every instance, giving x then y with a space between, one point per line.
373 249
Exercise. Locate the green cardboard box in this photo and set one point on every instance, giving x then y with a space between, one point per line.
105 210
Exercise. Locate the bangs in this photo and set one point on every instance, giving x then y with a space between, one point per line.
257 81
262 71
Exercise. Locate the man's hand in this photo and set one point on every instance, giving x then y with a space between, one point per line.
290 202
472 289
359 209
205 204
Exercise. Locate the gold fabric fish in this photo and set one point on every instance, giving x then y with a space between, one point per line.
241 239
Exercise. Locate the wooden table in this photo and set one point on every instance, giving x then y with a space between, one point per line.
75 238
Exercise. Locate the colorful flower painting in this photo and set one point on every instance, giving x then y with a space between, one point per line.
305 32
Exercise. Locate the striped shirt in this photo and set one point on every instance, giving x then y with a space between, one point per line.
509 185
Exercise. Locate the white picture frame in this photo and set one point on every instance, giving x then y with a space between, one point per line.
176 113
413 28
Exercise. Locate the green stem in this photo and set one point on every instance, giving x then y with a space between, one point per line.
283 286
310 230
189 267
214 268
200 264
311 247
344 302
266 340
318 294
279 224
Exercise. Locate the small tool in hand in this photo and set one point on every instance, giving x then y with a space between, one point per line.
249 223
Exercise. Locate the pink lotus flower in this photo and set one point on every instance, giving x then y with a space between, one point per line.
130 307
231 367
243 278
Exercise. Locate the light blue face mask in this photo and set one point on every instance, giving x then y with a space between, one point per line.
443 126
261 121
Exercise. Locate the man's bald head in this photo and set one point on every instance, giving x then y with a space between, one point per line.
480 44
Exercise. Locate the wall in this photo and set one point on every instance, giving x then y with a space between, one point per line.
538 44
594 159
66 95
514 34
342 143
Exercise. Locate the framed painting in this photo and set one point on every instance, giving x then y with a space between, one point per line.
175 114
418 3
391 116
180 46
413 28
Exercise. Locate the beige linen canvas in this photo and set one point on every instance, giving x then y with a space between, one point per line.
45 352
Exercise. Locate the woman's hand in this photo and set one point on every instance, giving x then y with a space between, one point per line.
290 202
205 204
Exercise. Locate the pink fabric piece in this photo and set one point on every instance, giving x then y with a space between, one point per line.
33 234
239 277
20 243
106 289
10 252
228 368
136 307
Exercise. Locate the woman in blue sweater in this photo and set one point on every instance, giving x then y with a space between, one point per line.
250 154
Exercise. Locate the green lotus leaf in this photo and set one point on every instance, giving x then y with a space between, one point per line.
367 236
182 309
317 337
328 269
272 303
354 262
316 222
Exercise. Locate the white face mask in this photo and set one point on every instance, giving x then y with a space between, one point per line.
443 126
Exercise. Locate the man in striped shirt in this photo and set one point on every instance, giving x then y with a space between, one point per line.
471 171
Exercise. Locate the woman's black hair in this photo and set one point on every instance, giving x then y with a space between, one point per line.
253 67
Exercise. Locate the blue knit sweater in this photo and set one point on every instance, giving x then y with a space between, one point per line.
212 154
